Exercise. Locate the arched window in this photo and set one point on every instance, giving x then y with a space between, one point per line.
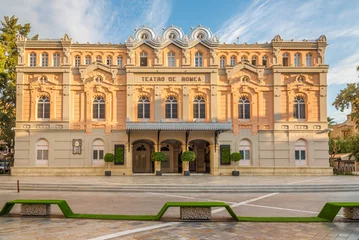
171 107
42 152
98 108
98 150
299 108
254 60
245 151
222 62
244 108
43 108
119 61
143 59
264 61
285 59
56 60
199 108
297 60
198 61
45 59
77 61
300 153
109 60
99 58
171 59
143 107
88 60
32 59
308 60
243 59
233 61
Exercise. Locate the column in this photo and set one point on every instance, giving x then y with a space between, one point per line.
276 98
214 159
128 159
185 104
66 97
20 95
157 104
323 97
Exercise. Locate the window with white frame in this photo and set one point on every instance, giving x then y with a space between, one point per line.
285 59
254 60
308 60
143 108
300 153
32 59
199 108
233 61
198 61
88 60
98 108
42 152
222 62
245 151
45 59
43 108
77 61
297 60
98 152
171 107
109 60
243 59
99 59
171 59
56 60
119 61
299 108
143 59
264 61
244 108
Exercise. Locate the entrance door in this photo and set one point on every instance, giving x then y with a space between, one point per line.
98 150
141 158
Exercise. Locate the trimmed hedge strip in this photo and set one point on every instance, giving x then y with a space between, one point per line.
327 214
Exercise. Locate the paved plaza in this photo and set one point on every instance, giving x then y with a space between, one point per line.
147 202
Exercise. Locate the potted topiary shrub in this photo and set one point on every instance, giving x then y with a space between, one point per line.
235 157
158 158
186 157
109 158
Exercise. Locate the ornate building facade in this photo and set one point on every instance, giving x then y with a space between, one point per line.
171 92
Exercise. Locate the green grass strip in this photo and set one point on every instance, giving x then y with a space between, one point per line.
327 214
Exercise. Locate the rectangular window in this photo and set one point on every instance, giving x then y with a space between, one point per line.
264 62
140 111
254 62
168 111
147 110
102 111
95 111
40 111
95 154
45 154
39 155
247 154
302 155
143 61
302 111
47 111
285 62
100 154
174 111
119 155
225 152
202 111
295 111
195 110
296 154
247 111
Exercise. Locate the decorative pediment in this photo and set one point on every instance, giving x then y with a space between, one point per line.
86 69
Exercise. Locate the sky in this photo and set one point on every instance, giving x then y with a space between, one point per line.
252 21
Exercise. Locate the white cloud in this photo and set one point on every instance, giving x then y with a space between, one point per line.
87 20
345 70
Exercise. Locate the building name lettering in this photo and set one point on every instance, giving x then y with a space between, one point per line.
171 79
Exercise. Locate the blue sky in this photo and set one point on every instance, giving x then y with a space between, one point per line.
251 21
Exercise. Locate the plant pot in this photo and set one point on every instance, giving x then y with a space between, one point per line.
158 173
107 173
186 173
235 173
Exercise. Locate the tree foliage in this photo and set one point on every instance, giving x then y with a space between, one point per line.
159 156
9 29
188 156
349 97
349 144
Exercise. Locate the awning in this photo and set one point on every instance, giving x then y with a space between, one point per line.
177 126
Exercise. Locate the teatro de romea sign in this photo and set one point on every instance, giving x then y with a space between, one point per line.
171 79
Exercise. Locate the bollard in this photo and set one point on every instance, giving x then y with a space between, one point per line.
18 186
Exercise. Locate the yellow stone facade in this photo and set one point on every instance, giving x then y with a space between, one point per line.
171 92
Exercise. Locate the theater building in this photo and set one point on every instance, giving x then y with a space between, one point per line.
171 92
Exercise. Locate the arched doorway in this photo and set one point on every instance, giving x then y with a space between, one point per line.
203 162
141 156
173 150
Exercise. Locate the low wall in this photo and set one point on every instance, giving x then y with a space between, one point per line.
69 171
291 171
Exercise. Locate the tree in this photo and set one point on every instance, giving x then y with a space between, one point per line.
349 97
330 121
9 29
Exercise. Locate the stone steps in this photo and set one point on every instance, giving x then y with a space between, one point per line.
181 188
